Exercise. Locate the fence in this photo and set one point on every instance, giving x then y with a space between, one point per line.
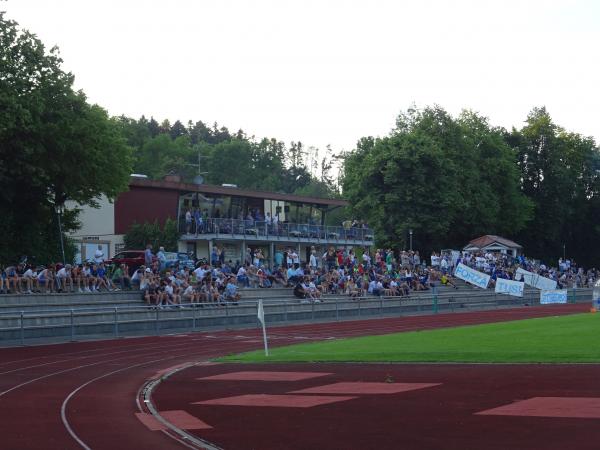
74 324
290 231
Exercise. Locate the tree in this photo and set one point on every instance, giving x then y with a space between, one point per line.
559 174
447 179
54 146
140 235
178 130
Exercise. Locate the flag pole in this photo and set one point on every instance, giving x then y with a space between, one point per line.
261 318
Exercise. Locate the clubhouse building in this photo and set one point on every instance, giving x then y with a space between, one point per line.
232 218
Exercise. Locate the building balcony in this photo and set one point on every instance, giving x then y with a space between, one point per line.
249 230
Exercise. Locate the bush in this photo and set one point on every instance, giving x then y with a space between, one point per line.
139 235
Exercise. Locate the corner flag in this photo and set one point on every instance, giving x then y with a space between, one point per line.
261 318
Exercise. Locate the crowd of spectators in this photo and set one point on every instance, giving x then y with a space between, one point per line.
337 271
566 273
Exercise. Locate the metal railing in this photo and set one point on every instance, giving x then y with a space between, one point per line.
116 321
239 229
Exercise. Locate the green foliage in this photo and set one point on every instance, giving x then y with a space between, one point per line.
560 175
54 146
563 339
140 235
225 158
447 179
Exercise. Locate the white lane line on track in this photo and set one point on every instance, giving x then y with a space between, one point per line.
98 349
292 328
131 349
353 329
204 354
63 407
169 347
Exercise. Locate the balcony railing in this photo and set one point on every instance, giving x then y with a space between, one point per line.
280 231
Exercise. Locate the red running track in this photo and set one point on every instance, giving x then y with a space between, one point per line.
85 395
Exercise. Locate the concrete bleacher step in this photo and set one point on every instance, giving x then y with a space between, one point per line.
61 304
41 302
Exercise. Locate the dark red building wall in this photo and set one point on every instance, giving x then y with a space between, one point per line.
144 205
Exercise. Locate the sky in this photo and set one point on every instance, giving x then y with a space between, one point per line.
327 72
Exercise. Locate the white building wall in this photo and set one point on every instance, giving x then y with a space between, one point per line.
96 222
97 228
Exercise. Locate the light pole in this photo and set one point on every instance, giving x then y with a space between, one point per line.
410 235
564 252
60 209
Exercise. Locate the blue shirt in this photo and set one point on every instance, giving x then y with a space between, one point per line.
230 290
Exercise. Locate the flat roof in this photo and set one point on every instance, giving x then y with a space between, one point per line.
233 191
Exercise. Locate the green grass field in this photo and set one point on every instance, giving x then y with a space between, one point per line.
573 338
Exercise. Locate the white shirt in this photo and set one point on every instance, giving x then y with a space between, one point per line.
200 272
241 272
62 273
294 257
99 256
29 274
372 285
313 260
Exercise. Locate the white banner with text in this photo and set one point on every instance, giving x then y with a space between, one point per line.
535 280
553 296
510 287
472 276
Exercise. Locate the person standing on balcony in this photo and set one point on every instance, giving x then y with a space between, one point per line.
295 257
269 223
188 221
199 221
313 259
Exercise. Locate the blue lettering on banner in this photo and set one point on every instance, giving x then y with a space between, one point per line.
472 276
555 296
514 288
